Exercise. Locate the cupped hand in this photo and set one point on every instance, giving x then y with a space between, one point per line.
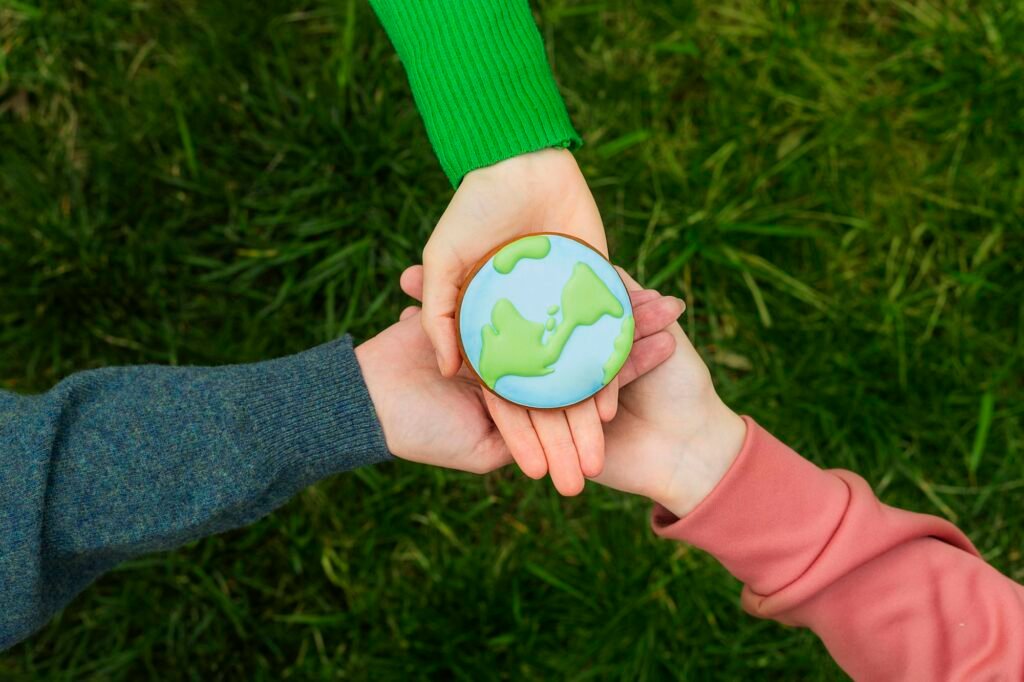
552 441
541 191
673 438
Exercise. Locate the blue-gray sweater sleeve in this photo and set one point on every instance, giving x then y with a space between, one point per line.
112 463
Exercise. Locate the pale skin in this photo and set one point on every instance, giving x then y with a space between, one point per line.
542 191
444 421
672 440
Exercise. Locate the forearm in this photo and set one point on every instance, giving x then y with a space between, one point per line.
480 78
116 462
892 594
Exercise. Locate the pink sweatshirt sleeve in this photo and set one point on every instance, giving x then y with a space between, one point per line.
894 595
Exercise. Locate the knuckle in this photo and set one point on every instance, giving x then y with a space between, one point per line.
433 253
563 447
430 254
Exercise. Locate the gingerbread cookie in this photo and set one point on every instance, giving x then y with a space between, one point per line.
545 321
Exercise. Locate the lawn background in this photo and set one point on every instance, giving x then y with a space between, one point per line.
836 188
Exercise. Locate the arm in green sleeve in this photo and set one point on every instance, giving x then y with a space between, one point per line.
480 78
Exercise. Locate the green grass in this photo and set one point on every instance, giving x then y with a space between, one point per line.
836 189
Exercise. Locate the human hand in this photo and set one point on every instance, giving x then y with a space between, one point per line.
542 191
673 438
536 192
427 418
444 422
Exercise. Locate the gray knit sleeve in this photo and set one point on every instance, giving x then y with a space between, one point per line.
112 463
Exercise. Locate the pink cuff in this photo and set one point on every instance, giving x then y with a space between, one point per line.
775 515
768 518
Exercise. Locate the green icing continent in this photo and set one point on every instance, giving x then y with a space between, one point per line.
513 345
552 309
623 343
527 247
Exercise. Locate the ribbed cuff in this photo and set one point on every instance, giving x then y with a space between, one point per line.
480 78
790 530
769 516
313 415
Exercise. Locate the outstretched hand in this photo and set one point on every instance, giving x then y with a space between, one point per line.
446 421
673 439
542 191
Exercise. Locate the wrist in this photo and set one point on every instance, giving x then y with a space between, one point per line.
481 80
703 458
371 368
533 168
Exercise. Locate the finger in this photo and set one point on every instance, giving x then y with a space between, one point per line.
559 449
587 434
638 297
607 400
514 424
655 315
443 335
441 275
627 279
652 312
411 282
646 354
408 312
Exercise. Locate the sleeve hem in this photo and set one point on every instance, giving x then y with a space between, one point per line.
480 78
572 142
787 528
769 517
323 420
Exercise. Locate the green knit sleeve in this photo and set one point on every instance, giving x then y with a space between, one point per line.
480 78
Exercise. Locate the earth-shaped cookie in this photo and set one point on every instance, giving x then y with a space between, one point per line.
545 321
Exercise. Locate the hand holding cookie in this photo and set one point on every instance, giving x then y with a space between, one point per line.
553 375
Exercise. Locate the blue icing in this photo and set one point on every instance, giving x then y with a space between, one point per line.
533 286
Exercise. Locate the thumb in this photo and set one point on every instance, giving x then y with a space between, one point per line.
411 282
441 275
